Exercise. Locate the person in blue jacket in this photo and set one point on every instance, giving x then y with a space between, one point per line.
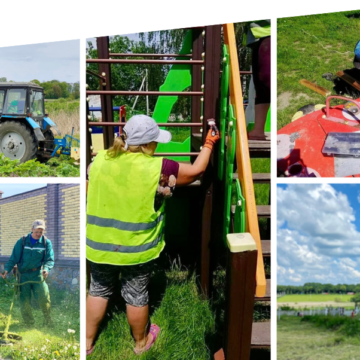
34 257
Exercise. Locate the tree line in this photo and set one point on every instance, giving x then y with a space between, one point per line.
317 288
55 89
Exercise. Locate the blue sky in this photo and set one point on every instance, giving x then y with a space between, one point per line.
47 61
318 233
13 189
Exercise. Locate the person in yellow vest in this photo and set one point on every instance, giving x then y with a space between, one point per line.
258 39
125 222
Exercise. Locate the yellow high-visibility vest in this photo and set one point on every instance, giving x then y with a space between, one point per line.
122 226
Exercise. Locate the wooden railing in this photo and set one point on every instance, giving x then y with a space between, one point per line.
243 156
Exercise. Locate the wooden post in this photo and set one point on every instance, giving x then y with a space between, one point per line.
106 101
211 99
240 292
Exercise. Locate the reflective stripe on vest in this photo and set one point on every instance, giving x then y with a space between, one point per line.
123 249
122 225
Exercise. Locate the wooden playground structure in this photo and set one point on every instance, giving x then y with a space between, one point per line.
215 93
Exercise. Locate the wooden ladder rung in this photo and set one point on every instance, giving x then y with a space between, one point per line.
266 248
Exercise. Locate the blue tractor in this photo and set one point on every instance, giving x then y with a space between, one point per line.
26 131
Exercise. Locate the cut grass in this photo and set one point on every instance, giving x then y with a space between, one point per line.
314 298
39 341
301 340
307 47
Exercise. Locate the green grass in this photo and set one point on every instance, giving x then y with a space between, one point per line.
302 340
39 341
191 327
307 47
314 298
186 321
62 166
262 191
345 325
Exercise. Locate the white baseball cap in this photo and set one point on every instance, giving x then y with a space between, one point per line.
142 129
38 224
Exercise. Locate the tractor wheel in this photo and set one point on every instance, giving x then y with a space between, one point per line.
49 145
17 141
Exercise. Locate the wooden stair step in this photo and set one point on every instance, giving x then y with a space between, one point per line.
266 247
267 296
260 335
258 178
259 148
263 211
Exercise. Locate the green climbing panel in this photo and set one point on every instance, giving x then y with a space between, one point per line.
178 79
239 220
224 94
229 169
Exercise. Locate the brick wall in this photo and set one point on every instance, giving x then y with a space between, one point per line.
59 206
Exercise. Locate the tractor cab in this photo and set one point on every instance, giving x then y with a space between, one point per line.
19 100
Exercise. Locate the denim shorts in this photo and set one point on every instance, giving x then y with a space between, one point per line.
135 281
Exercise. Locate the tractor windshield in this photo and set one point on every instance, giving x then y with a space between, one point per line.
15 101
2 94
36 103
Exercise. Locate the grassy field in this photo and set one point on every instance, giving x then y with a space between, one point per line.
302 340
315 298
39 342
307 47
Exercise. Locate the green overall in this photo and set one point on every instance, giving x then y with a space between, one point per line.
31 260
122 226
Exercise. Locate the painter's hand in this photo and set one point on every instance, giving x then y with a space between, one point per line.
212 136
45 274
4 274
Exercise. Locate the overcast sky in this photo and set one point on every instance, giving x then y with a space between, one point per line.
14 189
44 62
318 235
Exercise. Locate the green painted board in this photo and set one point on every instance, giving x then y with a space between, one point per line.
178 79
229 169
239 220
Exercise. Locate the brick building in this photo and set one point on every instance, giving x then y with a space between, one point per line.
59 206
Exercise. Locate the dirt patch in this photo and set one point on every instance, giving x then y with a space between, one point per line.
285 98
309 304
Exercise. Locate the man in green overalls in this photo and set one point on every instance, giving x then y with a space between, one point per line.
34 257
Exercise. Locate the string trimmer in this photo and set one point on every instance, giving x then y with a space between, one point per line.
7 337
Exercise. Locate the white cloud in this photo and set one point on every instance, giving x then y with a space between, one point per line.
317 239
